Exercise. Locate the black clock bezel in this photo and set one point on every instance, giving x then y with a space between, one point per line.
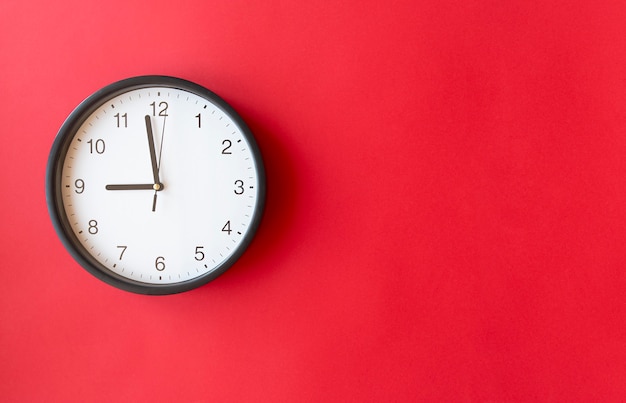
53 183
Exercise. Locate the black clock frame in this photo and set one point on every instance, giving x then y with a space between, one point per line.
53 184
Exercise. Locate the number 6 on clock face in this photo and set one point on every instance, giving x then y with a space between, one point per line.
155 185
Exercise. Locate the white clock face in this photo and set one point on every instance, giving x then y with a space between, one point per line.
161 185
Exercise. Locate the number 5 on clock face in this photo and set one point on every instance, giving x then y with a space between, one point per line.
155 185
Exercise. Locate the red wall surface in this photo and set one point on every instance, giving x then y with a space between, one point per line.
446 211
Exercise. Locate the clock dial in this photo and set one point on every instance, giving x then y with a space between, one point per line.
157 186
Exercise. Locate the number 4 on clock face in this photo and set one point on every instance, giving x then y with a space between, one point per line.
155 185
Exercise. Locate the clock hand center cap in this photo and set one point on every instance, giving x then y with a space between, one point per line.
157 186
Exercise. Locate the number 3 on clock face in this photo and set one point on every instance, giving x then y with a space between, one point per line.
155 185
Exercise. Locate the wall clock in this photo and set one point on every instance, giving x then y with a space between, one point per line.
155 185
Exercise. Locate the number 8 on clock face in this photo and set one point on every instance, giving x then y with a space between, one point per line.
155 185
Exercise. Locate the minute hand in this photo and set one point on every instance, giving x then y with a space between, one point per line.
153 158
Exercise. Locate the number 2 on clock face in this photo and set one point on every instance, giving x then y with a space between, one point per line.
158 186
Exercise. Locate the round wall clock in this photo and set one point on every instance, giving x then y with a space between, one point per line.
155 185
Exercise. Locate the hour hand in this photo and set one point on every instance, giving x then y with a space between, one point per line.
141 186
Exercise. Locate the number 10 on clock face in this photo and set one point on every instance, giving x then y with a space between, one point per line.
155 185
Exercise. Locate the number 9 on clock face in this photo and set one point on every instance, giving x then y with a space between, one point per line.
155 185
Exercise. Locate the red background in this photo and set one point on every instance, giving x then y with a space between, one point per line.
446 212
